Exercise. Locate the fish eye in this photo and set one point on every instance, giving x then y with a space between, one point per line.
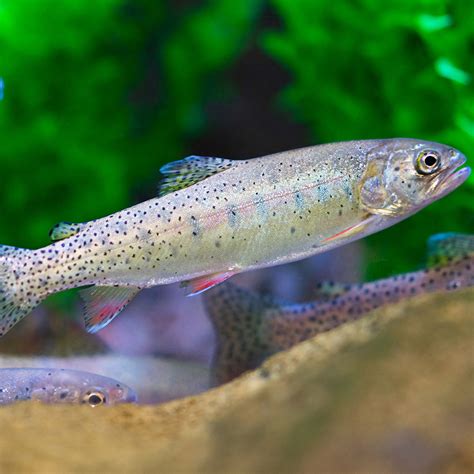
428 162
95 398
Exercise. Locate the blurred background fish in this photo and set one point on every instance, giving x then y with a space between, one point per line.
250 327
50 385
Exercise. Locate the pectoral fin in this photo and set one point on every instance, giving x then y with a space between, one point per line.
352 230
103 303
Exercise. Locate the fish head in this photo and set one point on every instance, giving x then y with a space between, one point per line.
405 175
78 387
109 393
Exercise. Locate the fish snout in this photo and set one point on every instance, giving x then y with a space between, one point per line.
456 159
123 394
453 176
131 397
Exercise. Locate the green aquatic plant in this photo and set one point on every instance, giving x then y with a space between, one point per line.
99 98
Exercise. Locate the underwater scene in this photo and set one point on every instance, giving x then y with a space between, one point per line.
237 236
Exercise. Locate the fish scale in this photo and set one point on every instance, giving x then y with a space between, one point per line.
216 217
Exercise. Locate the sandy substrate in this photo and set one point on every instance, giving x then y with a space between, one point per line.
393 392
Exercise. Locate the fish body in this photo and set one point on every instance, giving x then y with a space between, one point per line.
251 327
61 386
216 217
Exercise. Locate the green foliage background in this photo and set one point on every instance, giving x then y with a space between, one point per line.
98 95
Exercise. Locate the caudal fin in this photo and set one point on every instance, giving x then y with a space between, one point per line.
238 317
15 301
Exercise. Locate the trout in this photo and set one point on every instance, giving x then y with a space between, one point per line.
62 386
216 217
250 327
155 379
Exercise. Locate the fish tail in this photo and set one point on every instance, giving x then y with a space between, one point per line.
242 338
16 301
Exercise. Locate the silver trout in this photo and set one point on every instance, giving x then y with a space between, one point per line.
251 327
62 386
154 379
216 217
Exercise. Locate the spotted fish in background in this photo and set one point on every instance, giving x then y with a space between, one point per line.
251 327
217 217
62 386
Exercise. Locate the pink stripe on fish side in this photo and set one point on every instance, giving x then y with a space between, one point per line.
251 206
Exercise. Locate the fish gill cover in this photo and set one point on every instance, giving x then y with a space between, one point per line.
112 90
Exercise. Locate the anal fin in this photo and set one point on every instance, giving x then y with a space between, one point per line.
200 284
103 303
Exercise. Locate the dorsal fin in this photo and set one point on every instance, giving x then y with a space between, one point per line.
183 173
63 230
444 247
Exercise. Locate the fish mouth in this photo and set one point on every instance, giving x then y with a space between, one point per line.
123 394
453 178
131 397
